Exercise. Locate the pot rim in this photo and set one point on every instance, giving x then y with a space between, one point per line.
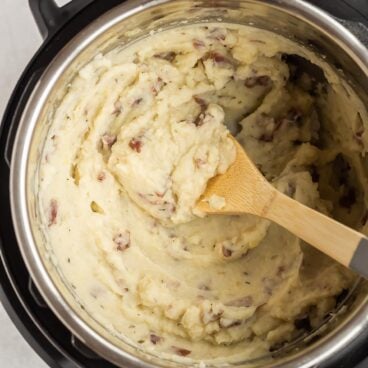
343 334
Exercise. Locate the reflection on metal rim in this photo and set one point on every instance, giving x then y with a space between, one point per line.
302 14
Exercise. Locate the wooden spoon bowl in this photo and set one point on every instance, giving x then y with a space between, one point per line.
245 190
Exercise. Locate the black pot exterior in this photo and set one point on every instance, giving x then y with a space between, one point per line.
41 328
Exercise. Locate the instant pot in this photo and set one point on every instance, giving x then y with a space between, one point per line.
19 294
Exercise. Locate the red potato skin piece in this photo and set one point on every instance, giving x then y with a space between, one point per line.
246 301
198 44
108 140
101 176
53 212
226 252
263 80
155 339
122 241
181 351
168 56
136 145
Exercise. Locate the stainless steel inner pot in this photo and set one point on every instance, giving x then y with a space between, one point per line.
294 19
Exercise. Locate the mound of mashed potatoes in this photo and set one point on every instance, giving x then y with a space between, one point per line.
131 147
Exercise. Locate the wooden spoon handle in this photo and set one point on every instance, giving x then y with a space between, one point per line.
341 243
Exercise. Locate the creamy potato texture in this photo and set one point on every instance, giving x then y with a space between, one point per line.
131 147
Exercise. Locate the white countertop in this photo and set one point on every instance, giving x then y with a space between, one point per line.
19 39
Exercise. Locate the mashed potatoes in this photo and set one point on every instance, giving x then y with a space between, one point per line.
130 149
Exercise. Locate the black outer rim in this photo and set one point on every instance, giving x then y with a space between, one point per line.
39 326
50 17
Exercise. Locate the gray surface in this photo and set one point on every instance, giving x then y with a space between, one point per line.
359 261
358 29
19 39
14 350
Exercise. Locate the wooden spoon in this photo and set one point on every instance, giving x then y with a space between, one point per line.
245 190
